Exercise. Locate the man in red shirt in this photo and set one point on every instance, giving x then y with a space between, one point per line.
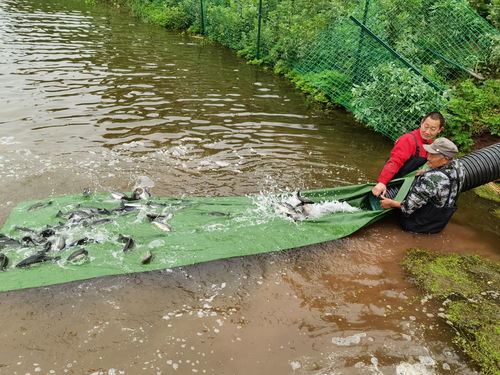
408 153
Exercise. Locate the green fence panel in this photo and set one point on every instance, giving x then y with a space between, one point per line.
360 62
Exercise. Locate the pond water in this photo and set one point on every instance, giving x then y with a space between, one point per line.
94 98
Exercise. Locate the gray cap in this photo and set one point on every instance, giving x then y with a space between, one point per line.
442 146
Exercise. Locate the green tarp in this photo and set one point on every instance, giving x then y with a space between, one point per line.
252 226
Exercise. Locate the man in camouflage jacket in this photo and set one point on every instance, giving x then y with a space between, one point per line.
432 198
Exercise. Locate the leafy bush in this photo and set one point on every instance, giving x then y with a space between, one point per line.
395 100
488 9
169 13
473 110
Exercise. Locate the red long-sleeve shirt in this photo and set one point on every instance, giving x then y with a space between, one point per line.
403 149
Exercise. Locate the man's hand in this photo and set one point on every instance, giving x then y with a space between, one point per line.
387 203
379 189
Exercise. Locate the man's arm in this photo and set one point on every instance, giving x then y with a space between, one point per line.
419 195
387 203
403 149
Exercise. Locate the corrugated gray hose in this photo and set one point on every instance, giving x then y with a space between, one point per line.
481 166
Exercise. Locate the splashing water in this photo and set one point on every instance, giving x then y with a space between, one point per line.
288 205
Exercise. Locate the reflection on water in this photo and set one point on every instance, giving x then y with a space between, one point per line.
92 97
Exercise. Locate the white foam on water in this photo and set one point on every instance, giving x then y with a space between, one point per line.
405 368
144 182
322 209
349 340
271 205
8 141
295 365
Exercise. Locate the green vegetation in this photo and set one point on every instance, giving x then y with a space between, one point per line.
468 288
406 92
473 110
325 54
491 192
489 9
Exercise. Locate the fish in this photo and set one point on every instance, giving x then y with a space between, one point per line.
47 232
47 247
37 206
129 242
28 239
8 242
163 226
153 216
82 241
148 258
80 214
91 210
122 196
39 257
24 229
300 209
59 242
4 262
302 199
96 222
78 255
118 195
285 208
215 213
141 193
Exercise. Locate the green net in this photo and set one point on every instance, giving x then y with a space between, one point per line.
391 61
201 229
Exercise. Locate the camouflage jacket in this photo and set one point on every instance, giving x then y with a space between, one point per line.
434 186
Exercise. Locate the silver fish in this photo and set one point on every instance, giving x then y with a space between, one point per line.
141 193
163 226
59 242
82 241
39 257
302 199
37 206
129 244
153 216
118 195
4 262
78 255
215 213
7 241
148 258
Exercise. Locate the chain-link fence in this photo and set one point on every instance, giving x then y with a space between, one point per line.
387 61
390 62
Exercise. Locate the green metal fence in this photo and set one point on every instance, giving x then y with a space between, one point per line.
390 62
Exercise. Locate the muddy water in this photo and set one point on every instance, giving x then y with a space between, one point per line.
92 97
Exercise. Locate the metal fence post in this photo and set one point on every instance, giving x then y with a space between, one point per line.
355 74
258 29
202 21
395 54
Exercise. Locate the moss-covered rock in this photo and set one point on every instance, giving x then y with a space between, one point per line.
469 288
489 191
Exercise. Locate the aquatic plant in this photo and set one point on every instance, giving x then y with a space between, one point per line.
468 287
